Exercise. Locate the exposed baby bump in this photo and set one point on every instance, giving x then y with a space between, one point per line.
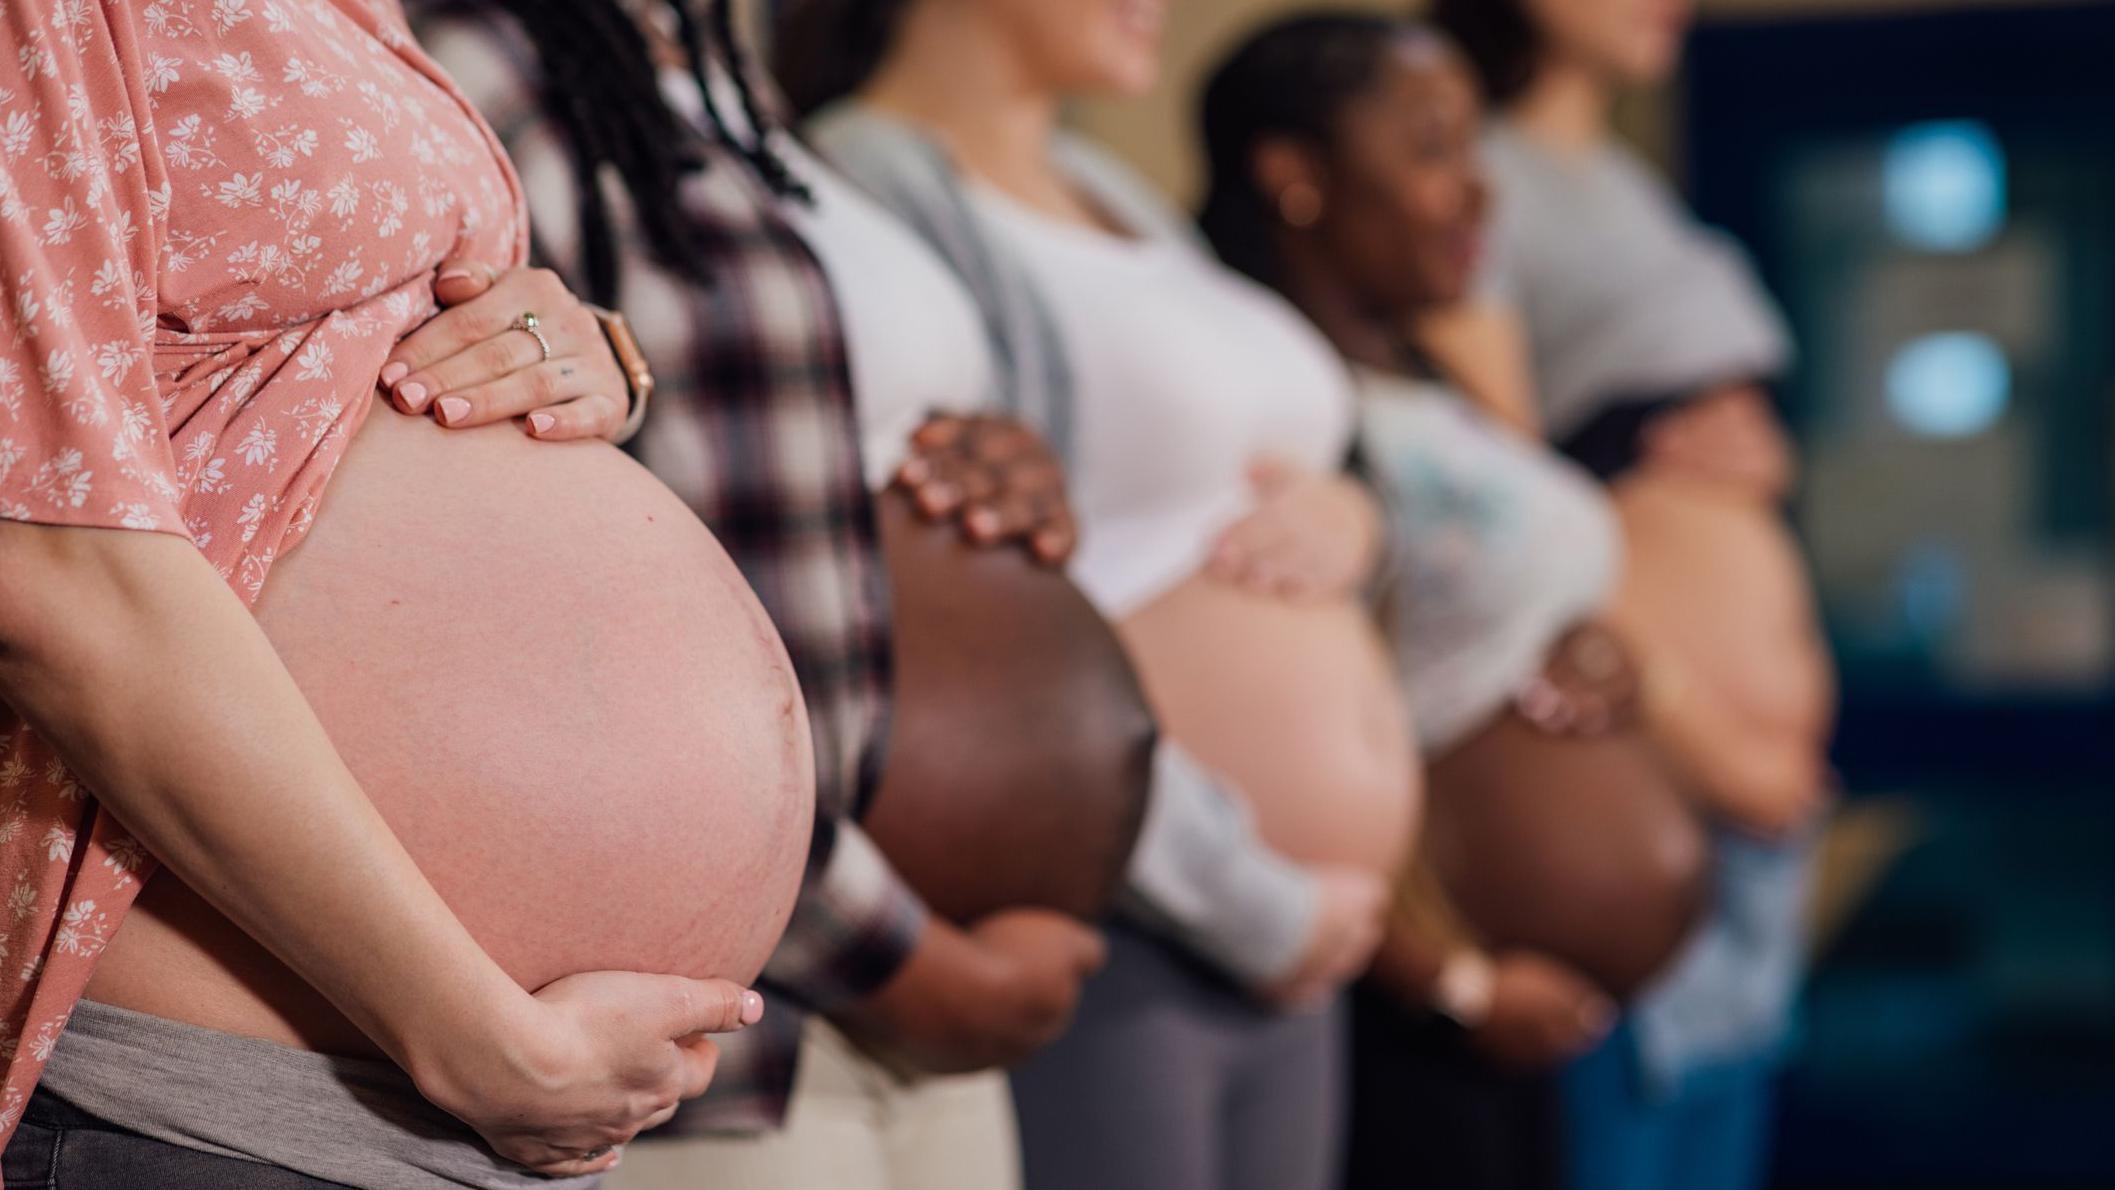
560 693
1717 584
1294 702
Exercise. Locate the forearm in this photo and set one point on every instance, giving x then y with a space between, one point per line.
855 925
1760 780
1482 347
1422 934
132 658
1408 963
1205 879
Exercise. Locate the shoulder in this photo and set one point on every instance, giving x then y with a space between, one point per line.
1123 190
888 157
1643 185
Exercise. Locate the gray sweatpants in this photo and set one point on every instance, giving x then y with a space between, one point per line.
1171 1080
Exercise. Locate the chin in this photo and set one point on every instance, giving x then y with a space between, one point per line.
1655 64
1129 78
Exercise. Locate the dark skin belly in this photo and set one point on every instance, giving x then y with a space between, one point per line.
1018 730
1576 843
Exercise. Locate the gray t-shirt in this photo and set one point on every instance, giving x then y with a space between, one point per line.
1624 293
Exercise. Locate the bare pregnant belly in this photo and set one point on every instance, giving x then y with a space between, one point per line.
562 696
1295 704
1582 848
1715 589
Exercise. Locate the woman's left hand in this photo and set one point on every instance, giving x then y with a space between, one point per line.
1310 536
472 364
997 478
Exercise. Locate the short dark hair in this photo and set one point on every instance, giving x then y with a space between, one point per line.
1500 39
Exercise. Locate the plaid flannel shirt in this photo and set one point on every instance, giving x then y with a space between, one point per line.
753 425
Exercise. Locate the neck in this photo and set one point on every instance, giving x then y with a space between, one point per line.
953 74
1567 108
1358 332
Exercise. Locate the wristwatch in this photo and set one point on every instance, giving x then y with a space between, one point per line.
638 374
1464 990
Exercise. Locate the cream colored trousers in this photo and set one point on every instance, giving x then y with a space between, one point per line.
853 1124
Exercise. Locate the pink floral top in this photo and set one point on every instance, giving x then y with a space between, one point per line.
216 219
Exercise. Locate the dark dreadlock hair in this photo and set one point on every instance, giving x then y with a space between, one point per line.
1290 78
600 85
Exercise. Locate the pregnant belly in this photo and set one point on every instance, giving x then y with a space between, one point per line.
558 691
1292 702
1583 849
1018 730
1715 589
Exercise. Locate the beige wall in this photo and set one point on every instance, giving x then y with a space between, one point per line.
1158 133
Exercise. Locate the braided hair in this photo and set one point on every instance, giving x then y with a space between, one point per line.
600 84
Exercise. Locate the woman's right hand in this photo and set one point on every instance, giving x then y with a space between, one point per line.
1350 919
1311 535
1542 1012
588 1062
995 476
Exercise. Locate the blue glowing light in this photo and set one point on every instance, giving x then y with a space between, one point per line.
1951 385
1944 183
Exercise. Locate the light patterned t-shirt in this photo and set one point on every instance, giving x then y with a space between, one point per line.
217 217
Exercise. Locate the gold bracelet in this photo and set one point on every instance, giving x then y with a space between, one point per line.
638 374
1466 987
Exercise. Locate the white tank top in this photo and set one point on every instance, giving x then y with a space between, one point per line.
1498 546
1184 372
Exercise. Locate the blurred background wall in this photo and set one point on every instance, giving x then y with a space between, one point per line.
1156 133
1929 188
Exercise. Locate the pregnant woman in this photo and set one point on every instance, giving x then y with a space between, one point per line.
1006 692
889 1079
1563 865
505 714
1171 387
1649 343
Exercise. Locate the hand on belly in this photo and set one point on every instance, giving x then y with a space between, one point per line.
560 694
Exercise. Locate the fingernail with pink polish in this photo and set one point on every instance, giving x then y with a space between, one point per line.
541 422
394 371
452 410
752 1008
413 395
454 275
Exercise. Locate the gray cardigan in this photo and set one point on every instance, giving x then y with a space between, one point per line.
1200 876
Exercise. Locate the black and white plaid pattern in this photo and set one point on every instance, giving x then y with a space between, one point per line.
753 425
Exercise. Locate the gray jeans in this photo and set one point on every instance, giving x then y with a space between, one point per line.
1172 1080
60 1147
